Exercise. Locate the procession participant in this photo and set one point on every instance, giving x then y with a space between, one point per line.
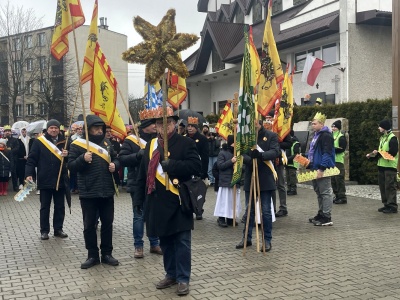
95 168
163 214
340 143
202 148
292 166
25 143
268 142
322 156
182 127
387 167
46 153
5 167
130 156
13 145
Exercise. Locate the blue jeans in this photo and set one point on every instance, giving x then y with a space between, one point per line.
177 254
211 161
266 215
138 229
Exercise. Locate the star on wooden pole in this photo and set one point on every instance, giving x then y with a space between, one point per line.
160 48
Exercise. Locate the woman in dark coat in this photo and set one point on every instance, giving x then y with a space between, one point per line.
5 166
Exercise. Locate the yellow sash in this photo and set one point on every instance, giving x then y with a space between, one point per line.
133 138
160 175
52 148
269 164
94 148
284 157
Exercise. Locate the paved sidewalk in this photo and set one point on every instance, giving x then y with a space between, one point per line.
357 258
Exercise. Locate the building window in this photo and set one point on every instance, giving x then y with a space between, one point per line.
297 2
17 67
17 44
29 64
42 109
276 6
30 108
42 62
41 39
19 88
299 60
29 87
239 15
42 85
217 63
18 110
257 12
329 55
28 41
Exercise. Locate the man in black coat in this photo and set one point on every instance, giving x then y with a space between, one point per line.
25 143
130 156
13 145
202 148
46 154
95 167
163 214
268 142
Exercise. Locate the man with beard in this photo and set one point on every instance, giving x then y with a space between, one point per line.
13 145
95 167
130 156
46 155
202 149
163 214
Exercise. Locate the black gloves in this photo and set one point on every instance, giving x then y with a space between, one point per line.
255 154
164 165
139 155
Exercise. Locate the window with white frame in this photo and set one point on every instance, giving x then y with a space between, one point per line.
41 39
30 109
29 87
19 88
29 64
42 85
42 108
18 109
328 53
17 44
42 62
257 12
28 41
17 67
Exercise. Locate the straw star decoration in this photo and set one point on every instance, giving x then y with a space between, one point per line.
160 48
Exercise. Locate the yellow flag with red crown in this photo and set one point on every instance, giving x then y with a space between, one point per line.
88 60
225 124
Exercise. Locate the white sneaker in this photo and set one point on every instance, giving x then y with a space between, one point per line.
21 186
38 192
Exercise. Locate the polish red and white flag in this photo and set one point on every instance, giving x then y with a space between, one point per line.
312 67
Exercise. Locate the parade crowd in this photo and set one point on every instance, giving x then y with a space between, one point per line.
91 164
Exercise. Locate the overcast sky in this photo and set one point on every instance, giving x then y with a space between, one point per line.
120 13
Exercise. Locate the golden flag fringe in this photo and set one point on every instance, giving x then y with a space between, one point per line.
69 15
271 69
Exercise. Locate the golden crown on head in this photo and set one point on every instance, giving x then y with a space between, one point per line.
155 113
7 127
193 121
320 117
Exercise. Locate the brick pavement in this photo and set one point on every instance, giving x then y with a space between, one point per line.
357 258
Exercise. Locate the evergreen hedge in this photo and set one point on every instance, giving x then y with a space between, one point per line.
363 131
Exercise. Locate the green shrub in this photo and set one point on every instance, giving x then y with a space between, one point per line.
363 131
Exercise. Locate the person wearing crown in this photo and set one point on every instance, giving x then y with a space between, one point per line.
322 156
130 156
13 145
387 167
202 148
163 214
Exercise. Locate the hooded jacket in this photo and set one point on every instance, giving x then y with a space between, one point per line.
94 179
324 151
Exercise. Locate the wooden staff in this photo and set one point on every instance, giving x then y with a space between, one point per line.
165 133
248 217
259 207
235 102
66 140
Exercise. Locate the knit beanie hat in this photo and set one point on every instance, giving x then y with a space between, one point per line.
337 124
385 124
52 122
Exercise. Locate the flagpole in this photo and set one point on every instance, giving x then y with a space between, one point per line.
130 118
66 139
248 216
235 102
165 133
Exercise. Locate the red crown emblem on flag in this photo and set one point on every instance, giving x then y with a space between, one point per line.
155 113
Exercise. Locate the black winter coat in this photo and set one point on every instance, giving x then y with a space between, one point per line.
225 167
94 179
214 146
48 165
12 143
163 213
128 158
202 149
5 165
268 141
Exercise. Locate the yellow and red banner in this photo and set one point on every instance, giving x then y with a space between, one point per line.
177 91
69 15
225 124
271 69
88 61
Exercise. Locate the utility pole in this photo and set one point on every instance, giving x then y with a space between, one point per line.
395 66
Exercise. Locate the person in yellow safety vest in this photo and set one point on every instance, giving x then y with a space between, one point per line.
387 168
292 166
340 143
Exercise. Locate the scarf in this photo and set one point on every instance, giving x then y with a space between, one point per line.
25 141
153 163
